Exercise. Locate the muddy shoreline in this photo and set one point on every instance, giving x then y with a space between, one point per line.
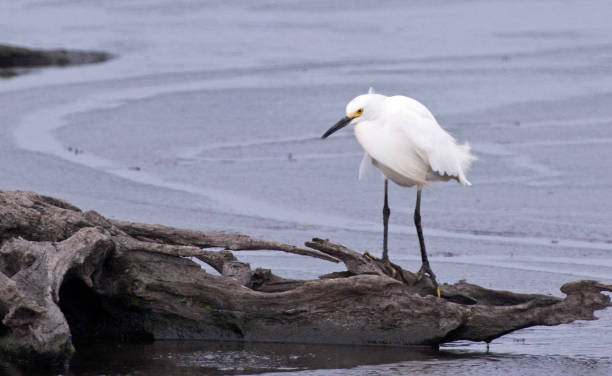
16 60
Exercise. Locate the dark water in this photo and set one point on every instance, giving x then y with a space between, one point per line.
206 358
210 118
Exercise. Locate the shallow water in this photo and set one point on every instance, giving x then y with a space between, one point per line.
206 358
211 114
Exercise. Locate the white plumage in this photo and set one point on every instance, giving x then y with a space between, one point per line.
402 138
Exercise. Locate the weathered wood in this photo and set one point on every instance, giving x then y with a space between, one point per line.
236 242
68 276
355 262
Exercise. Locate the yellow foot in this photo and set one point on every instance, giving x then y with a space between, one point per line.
438 291
367 254
393 270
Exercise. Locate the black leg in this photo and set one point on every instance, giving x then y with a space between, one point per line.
386 213
417 224
425 268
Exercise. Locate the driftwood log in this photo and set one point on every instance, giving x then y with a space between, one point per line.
68 276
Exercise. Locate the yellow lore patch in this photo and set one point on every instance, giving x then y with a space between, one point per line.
355 114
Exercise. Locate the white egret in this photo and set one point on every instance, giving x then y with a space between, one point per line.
402 138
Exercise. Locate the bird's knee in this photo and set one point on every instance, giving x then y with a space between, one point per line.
386 211
417 219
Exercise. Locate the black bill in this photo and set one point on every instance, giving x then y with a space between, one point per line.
339 125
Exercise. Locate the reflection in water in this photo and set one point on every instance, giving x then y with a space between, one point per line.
230 358
196 357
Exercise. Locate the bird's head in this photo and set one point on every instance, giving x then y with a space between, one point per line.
362 108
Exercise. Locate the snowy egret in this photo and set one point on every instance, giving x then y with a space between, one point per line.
402 138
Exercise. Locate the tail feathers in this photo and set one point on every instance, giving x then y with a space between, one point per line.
464 181
466 158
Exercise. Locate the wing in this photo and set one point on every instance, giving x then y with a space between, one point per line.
410 142
392 153
434 145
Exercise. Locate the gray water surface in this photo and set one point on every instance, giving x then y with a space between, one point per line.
211 115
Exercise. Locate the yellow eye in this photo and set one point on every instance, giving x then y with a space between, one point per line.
360 111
